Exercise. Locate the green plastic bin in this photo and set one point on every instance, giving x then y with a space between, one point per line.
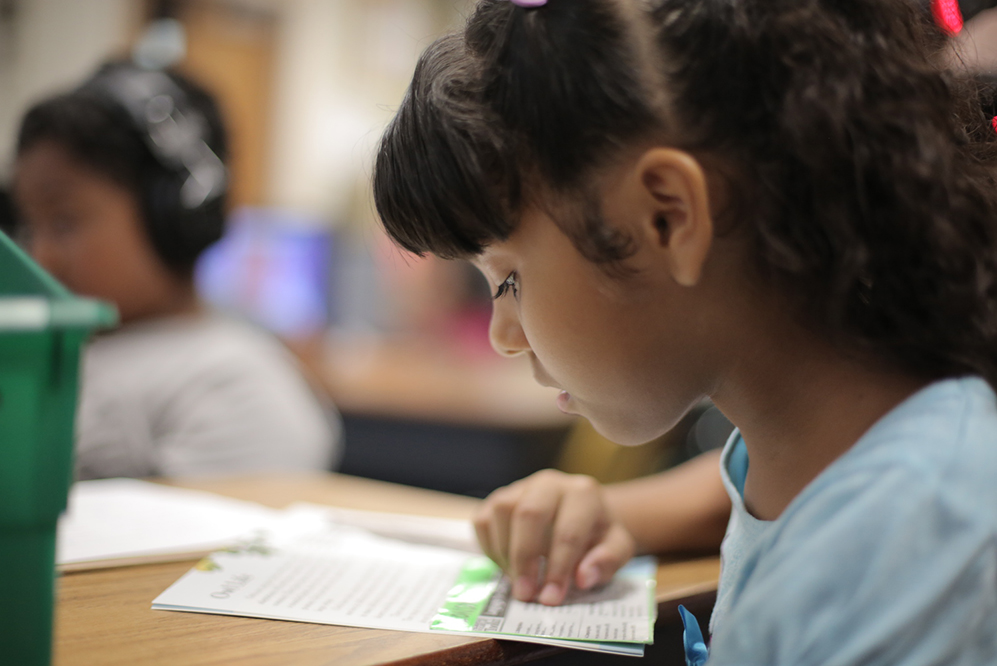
42 327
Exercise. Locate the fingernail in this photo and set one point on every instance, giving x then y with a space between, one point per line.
588 577
551 595
522 589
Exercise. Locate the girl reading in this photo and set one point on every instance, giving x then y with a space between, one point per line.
787 206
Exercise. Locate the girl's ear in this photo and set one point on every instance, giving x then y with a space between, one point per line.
675 211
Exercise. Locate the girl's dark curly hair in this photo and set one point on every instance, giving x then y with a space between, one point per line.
865 173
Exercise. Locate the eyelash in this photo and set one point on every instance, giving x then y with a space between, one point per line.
507 284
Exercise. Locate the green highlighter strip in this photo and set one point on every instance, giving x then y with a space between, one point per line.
479 600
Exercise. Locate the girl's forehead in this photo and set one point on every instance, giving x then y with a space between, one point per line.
495 253
498 253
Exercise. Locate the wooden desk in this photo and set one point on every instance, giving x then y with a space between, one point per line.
104 618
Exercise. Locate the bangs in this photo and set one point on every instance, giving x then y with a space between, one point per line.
515 110
446 180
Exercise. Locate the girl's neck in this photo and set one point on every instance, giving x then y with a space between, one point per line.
800 403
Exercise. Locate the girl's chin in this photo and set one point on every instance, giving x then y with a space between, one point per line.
617 428
624 434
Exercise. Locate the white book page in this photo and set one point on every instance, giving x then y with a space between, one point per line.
310 573
619 611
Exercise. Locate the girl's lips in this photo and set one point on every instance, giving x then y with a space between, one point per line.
562 401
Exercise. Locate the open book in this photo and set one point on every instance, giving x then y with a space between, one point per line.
311 567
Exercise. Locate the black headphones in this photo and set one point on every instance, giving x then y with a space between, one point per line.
184 199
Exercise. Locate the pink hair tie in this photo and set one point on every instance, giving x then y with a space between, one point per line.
947 15
529 4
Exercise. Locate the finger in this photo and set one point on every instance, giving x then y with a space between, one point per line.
482 528
581 521
529 538
494 525
599 565
499 535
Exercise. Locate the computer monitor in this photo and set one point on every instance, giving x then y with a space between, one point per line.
272 267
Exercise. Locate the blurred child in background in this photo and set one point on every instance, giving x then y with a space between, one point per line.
121 185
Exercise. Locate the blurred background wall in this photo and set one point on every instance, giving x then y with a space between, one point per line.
48 45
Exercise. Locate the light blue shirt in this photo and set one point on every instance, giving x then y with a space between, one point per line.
889 556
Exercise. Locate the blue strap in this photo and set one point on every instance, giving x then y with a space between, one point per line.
696 652
737 464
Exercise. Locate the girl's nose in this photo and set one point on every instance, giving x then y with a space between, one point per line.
506 332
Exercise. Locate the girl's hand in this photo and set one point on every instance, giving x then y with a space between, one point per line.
558 518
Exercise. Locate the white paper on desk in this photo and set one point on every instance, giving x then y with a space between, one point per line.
426 530
308 572
125 518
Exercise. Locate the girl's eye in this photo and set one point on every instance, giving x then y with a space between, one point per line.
509 283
